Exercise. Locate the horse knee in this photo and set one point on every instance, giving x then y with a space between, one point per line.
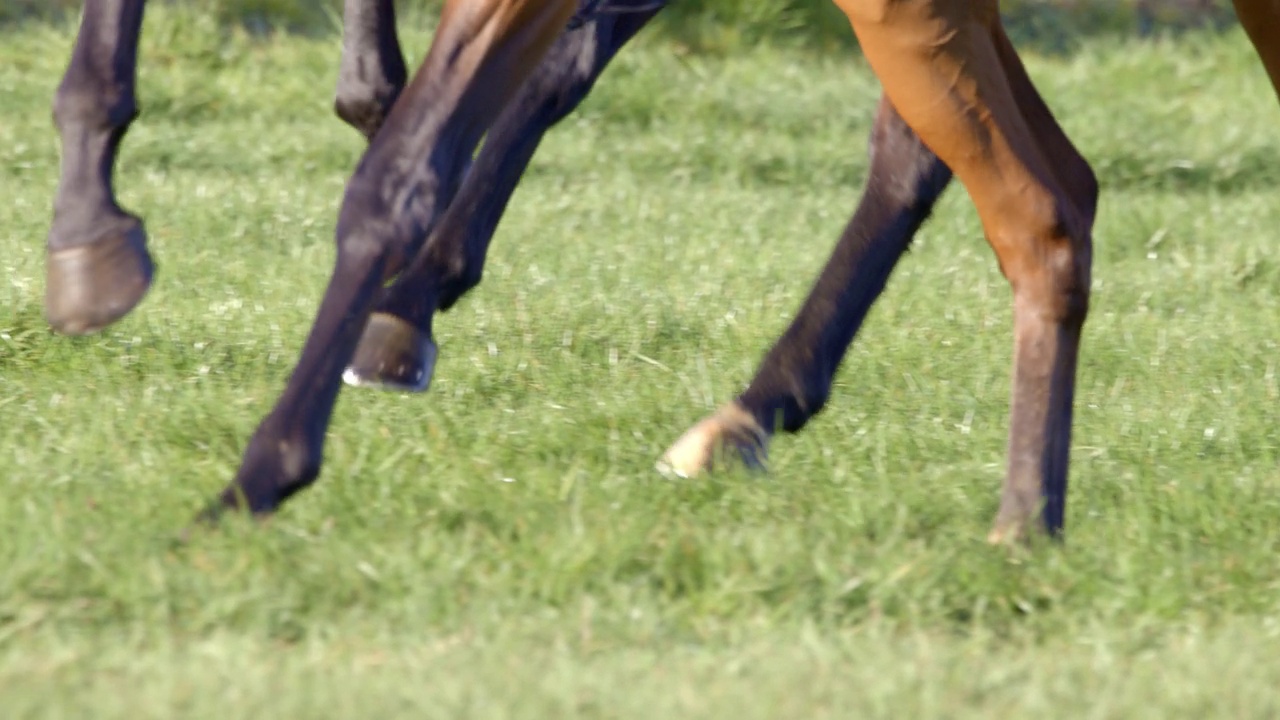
1047 254
1069 273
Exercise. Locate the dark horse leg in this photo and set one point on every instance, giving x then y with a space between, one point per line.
97 265
794 380
371 73
906 180
482 51
396 350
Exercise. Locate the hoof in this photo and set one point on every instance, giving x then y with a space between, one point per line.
1021 519
1002 535
1023 533
730 431
392 355
88 287
230 503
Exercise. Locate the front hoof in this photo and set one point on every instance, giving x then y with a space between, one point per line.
88 287
233 501
731 430
393 354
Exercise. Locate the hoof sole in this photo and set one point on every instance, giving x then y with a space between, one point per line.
392 355
88 287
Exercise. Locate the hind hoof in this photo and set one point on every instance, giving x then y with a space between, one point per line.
392 355
88 287
730 431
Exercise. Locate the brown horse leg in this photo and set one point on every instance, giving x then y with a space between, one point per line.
1079 184
1261 21
793 381
97 264
1072 171
371 73
481 52
939 65
396 351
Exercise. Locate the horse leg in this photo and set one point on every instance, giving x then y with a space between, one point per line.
1072 171
97 265
940 66
481 52
1080 186
371 73
793 381
1261 21
397 351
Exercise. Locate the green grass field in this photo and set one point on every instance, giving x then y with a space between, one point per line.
501 547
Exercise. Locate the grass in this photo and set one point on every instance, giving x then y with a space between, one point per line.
500 547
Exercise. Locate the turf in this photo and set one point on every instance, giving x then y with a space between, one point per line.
501 547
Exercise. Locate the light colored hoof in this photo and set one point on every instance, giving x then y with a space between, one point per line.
730 431
392 355
1019 520
1011 535
1028 534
